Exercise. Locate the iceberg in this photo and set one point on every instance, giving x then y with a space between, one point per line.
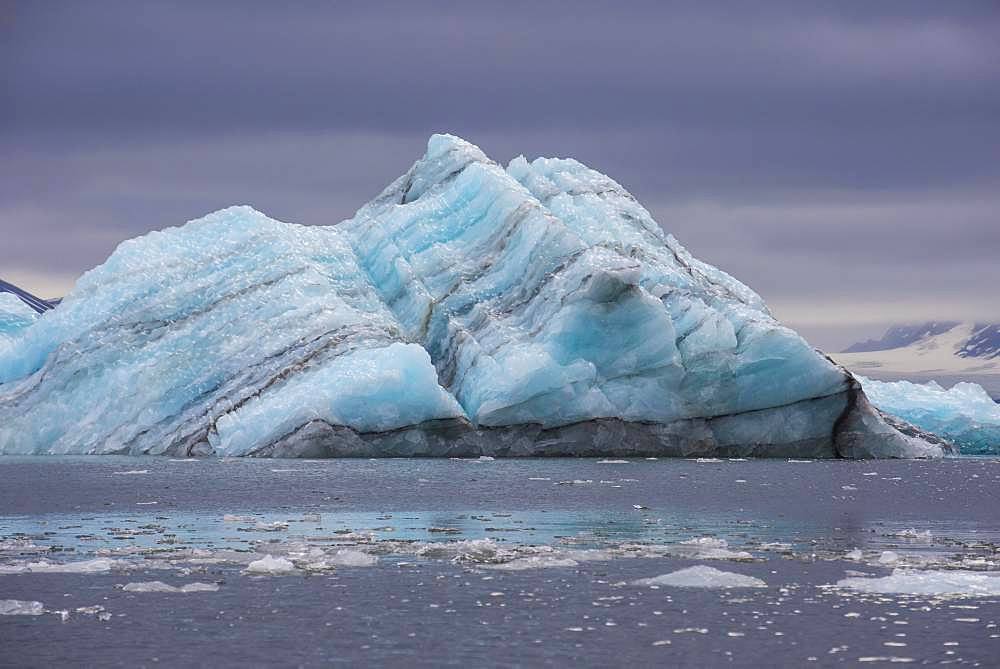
964 413
468 310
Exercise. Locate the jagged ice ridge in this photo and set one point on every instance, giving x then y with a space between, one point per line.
467 310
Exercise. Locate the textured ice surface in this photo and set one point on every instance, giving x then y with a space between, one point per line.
930 582
467 310
701 576
20 607
964 413
160 586
271 565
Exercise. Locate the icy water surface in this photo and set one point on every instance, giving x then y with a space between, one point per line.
153 561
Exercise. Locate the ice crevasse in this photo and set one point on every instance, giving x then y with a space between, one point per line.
467 310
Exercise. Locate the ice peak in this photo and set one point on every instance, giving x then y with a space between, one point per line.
440 144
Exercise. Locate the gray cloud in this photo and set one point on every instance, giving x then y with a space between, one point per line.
839 154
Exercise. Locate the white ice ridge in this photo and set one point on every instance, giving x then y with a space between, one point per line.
467 310
930 582
964 413
701 576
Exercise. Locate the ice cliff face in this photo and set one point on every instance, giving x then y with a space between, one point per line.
467 310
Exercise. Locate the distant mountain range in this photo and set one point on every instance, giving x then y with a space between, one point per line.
945 351
36 303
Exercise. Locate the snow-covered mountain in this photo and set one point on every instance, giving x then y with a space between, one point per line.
945 351
36 303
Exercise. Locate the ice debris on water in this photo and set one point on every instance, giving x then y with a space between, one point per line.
160 586
270 565
913 533
701 576
468 310
94 566
19 607
888 557
928 582
535 562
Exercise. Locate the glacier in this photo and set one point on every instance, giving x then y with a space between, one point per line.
964 414
468 310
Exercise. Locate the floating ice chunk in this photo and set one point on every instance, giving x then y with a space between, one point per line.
160 586
912 533
701 576
854 554
888 557
535 562
19 607
132 471
270 565
708 548
346 557
930 582
965 413
94 566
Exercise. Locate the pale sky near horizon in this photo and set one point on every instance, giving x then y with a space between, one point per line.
841 158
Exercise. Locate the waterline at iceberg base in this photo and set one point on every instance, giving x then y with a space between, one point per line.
467 310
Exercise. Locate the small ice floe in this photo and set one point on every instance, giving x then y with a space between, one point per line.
233 518
612 462
535 562
892 659
21 546
539 478
639 507
799 461
575 482
930 582
776 546
481 458
345 557
888 557
707 460
160 586
82 567
270 565
854 554
913 533
90 610
708 548
701 576
20 607
131 472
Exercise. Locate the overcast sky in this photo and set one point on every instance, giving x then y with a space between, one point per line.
840 158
